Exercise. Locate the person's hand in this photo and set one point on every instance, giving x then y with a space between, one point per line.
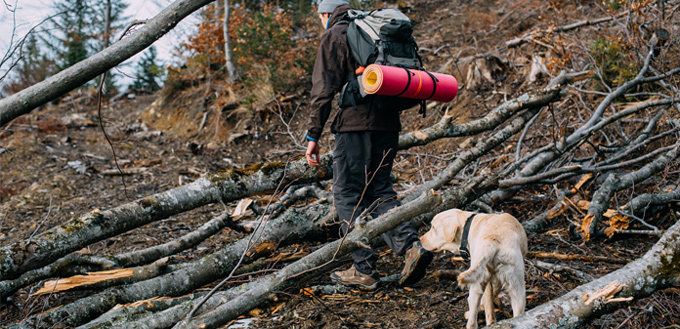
312 153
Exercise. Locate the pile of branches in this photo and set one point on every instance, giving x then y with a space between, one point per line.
621 146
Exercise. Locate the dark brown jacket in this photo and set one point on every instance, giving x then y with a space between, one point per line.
333 64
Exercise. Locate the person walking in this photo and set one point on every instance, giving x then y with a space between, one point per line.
366 141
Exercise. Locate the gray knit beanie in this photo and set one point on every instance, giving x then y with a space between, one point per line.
327 6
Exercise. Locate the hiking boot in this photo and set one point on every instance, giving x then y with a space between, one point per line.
353 278
416 261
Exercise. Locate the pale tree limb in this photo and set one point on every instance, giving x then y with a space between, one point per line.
641 139
641 203
632 148
565 172
72 77
293 195
184 242
474 153
658 269
533 102
123 314
585 130
445 128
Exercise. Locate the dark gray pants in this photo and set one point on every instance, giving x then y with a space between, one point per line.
362 163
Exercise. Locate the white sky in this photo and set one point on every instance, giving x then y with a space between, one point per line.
28 13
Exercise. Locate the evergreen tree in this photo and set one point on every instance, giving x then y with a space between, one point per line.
149 73
82 28
74 37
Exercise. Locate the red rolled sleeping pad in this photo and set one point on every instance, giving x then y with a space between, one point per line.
409 83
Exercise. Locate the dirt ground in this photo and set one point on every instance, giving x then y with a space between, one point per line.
53 167
56 163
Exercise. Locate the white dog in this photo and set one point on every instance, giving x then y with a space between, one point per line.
497 245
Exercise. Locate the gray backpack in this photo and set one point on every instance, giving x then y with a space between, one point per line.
385 37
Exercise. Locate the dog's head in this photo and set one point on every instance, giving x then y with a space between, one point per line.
445 233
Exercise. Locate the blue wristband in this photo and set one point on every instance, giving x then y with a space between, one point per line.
311 139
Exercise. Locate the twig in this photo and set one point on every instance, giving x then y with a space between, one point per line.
49 211
585 277
534 254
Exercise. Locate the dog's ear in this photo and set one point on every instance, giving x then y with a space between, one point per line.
450 227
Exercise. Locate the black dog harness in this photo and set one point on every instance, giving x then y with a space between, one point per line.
464 252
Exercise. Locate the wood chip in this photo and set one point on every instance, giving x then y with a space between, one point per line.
241 209
81 280
607 293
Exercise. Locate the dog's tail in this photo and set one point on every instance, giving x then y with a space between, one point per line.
477 264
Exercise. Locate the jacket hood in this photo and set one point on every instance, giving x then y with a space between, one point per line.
338 13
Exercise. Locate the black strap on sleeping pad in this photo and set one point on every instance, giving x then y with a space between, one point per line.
464 252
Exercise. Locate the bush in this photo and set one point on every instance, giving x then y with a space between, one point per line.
615 65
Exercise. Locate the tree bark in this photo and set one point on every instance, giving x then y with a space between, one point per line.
231 69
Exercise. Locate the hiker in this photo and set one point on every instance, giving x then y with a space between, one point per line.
366 143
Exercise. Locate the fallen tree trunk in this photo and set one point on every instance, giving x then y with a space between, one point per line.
97 225
659 268
292 227
76 263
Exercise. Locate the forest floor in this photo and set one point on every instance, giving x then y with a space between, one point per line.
56 163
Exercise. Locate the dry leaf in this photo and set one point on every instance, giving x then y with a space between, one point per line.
307 291
83 251
277 308
554 213
256 312
583 204
263 247
585 226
